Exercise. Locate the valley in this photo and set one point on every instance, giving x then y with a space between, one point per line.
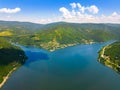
52 37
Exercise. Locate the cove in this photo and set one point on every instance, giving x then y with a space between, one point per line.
72 68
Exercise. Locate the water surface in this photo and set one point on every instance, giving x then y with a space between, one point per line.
72 68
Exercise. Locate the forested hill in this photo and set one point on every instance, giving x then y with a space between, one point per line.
111 57
10 57
24 25
57 35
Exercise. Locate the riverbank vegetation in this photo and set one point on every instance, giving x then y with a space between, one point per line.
10 57
110 56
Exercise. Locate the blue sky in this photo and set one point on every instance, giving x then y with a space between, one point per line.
47 11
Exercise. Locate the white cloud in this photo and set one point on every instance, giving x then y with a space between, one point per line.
87 18
76 14
78 10
79 17
73 5
114 14
93 9
73 12
8 10
79 5
81 8
66 13
8 16
82 14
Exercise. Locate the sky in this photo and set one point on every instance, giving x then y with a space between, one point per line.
49 11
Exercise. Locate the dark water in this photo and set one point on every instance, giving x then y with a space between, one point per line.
72 68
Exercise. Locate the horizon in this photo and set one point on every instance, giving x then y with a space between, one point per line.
72 11
56 22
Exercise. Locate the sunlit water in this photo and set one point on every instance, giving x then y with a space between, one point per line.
72 68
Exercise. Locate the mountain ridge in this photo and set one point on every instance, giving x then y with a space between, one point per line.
57 35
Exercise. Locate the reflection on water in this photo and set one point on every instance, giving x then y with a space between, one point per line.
34 56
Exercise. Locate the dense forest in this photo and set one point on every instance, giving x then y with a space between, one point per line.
111 56
57 35
10 57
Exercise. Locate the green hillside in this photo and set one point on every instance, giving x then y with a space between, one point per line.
111 57
10 57
51 37
57 35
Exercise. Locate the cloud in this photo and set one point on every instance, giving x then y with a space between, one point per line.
77 13
93 9
83 14
73 5
114 14
80 10
8 10
78 17
66 13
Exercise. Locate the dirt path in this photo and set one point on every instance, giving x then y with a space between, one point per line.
107 57
6 77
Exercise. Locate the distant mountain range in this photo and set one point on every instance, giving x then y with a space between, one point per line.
57 35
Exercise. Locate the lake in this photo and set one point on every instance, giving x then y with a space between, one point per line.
72 68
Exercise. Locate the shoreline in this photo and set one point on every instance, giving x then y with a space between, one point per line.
7 77
107 59
69 45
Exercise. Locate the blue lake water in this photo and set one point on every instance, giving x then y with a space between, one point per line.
72 68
